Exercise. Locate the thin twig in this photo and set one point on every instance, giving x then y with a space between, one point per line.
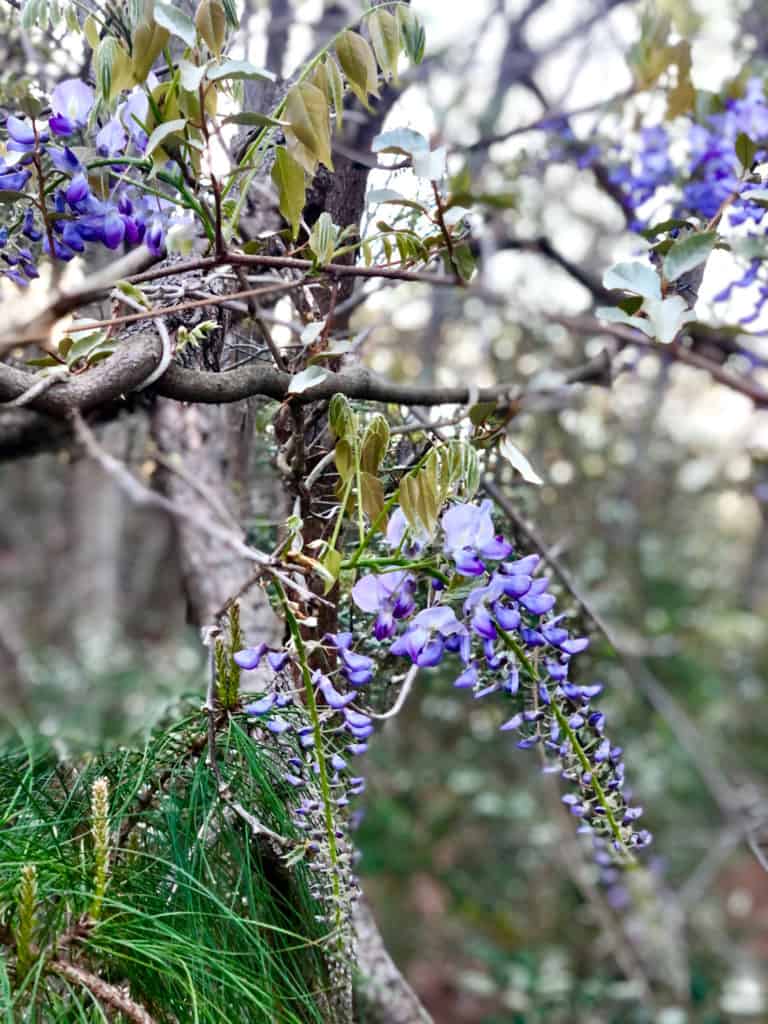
110 995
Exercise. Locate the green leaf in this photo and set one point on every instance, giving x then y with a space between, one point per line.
400 140
288 177
634 277
230 10
631 304
211 23
412 34
374 444
612 315
371 495
238 69
479 413
307 110
344 457
191 75
385 37
305 379
132 292
176 21
464 261
667 316
745 150
148 42
322 240
336 87
341 417
664 226
9 195
248 117
331 562
688 253
520 462
161 133
91 31
359 65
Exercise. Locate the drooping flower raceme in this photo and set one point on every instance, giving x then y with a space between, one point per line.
109 205
495 620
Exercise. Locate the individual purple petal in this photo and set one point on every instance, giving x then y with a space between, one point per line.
367 593
496 548
293 780
575 646
512 682
439 617
77 189
467 562
516 586
360 732
114 230
261 706
532 637
538 604
278 660
343 641
521 566
358 665
250 657
332 696
61 125
603 752
467 679
20 131
64 160
482 623
278 725
338 763
431 654
507 618
485 691
155 238
14 181
356 718
512 724
111 139
384 625
355 749
74 99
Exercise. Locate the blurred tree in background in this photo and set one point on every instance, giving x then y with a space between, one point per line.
560 140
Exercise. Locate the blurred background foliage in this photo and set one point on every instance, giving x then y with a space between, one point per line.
656 501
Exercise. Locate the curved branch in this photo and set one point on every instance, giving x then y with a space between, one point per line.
124 371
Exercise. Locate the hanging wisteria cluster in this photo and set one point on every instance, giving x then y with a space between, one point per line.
81 195
471 603
689 168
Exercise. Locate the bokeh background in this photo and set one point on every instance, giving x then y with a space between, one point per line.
655 500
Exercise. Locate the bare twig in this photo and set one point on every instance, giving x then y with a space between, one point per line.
109 995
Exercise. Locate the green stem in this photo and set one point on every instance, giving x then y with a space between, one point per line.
578 749
398 563
340 516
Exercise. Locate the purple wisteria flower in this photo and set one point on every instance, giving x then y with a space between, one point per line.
425 639
389 595
71 101
470 537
